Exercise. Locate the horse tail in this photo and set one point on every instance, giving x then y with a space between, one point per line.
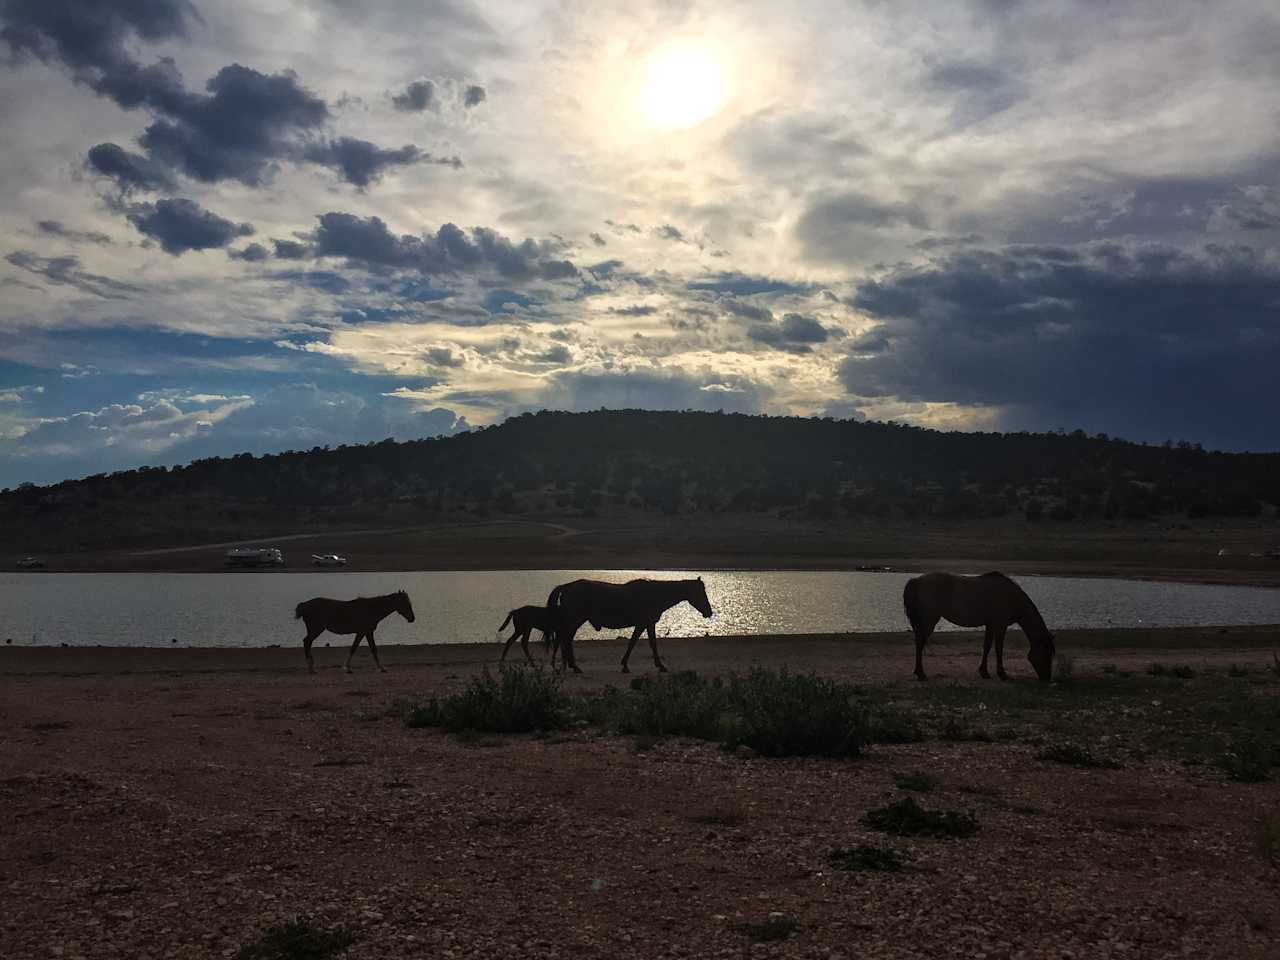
506 621
910 601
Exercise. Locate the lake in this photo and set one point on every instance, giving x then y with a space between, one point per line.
255 609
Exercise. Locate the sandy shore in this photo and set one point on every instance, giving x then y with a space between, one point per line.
177 803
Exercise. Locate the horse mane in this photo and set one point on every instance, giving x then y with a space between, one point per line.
1025 597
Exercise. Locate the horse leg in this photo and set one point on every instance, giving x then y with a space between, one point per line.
635 635
653 645
306 647
373 649
567 659
986 652
524 645
999 631
510 640
352 652
922 632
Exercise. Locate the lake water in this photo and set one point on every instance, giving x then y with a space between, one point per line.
255 609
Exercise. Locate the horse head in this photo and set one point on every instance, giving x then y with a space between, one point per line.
1041 656
403 606
698 597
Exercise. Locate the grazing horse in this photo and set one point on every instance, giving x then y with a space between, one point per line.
992 601
360 616
637 603
525 620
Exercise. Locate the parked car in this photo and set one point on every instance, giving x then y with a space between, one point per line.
30 563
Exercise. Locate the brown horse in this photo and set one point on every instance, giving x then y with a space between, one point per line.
992 601
637 603
360 616
525 620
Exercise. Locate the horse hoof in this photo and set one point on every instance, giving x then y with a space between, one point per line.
984 675
921 676
625 668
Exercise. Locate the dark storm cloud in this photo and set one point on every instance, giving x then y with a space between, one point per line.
627 227
323 280
180 225
604 269
253 253
741 285
416 97
291 250
130 171
639 310
367 242
668 232
558 353
507 301
795 334
747 311
65 271
56 228
598 240
361 163
1148 342
444 357
977 90
473 96
834 227
90 37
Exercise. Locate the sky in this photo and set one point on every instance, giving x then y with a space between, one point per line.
232 227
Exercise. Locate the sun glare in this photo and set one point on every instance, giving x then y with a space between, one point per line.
683 86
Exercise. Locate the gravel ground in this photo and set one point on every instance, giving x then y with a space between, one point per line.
178 803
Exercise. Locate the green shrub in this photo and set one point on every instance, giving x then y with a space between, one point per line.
1077 756
866 859
519 700
670 705
919 782
906 818
297 941
782 714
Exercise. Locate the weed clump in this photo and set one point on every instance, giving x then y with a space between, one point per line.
298 940
1267 839
1179 671
518 700
906 818
1076 756
768 931
1247 761
865 858
675 705
918 782
781 714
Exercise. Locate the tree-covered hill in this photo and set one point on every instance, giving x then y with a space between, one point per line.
634 462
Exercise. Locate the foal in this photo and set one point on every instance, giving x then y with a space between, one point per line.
360 616
525 620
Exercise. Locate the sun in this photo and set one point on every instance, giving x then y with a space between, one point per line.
683 86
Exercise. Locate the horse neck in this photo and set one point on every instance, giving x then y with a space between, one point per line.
385 606
1029 618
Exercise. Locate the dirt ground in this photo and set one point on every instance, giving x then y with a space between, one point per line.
178 803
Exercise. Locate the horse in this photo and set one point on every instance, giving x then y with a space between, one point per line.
360 616
637 603
524 621
991 600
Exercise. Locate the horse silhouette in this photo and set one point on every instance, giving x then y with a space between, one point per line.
360 616
991 600
637 603
525 620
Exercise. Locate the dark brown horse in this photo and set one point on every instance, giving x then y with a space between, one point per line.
992 601
637 603
525 620
360 616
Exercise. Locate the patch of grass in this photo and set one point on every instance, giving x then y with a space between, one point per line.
1248 761
919 782
1237 670
1179 671
958 730
1064 666
670 705
906 818
865 858
44 726
771 930
518 700
890 727
1074 755
719 815
783 714
1110 669
298 940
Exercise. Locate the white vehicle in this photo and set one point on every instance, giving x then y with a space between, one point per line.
328 560
255 557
